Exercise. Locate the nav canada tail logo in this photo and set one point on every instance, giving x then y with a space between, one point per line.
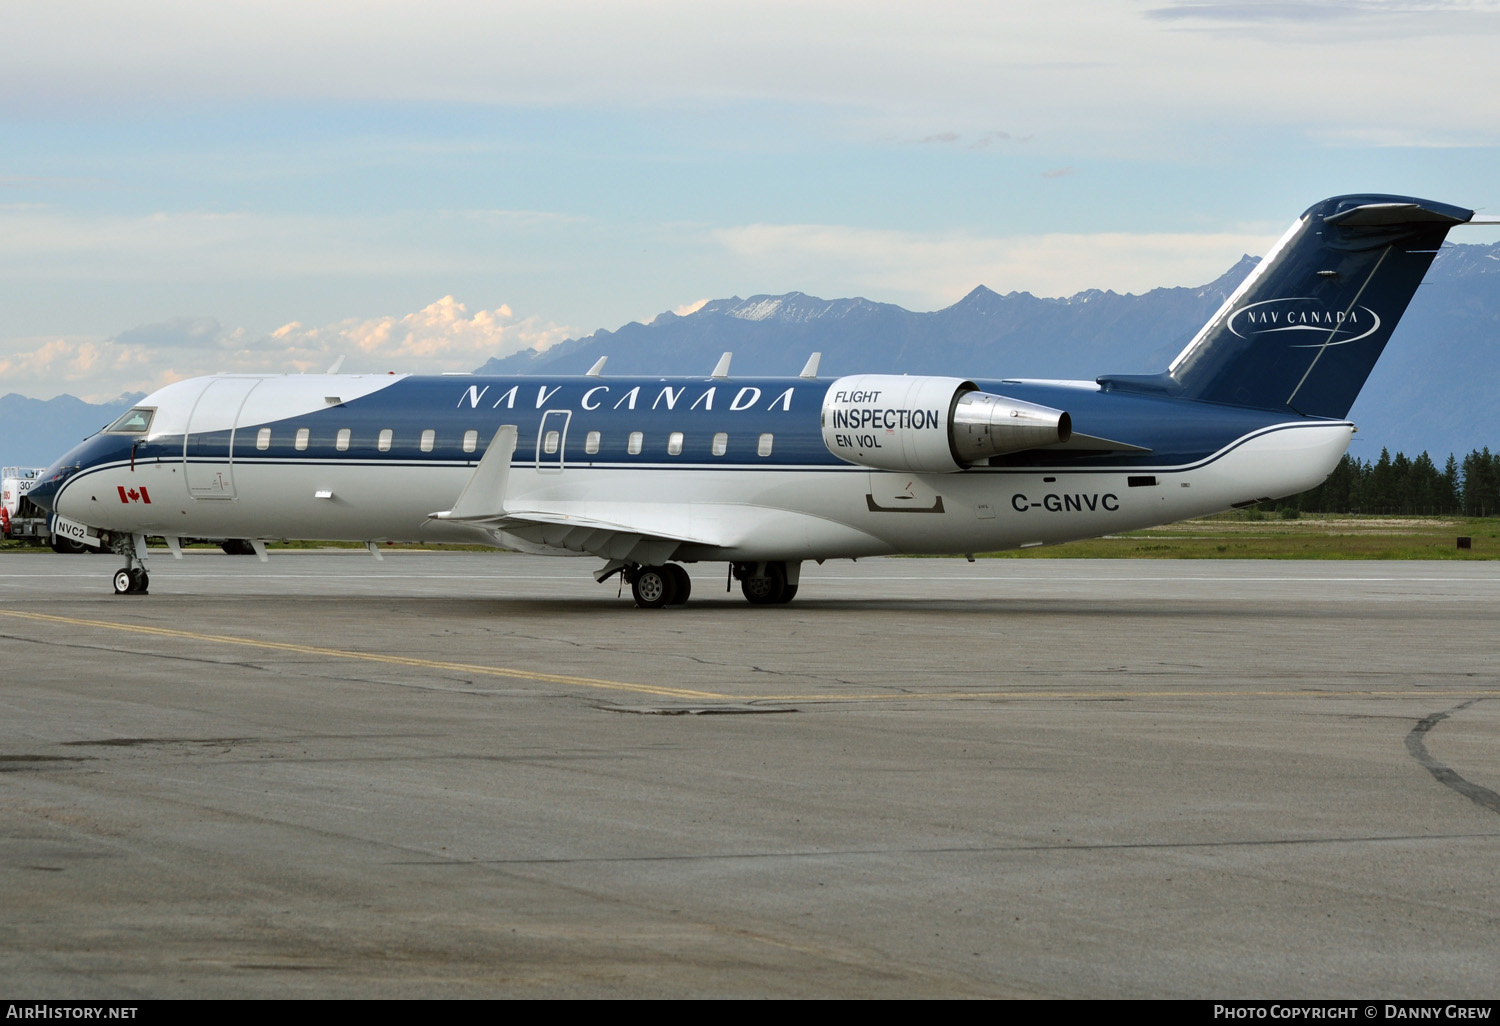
1324 327
134 495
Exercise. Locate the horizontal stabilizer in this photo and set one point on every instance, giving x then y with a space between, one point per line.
1380 215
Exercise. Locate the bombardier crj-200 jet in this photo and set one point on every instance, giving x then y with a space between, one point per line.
649 474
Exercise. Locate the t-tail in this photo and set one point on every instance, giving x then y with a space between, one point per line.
1304 330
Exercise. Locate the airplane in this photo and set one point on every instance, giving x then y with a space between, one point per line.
655 474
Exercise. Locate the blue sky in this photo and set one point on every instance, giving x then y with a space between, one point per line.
188 188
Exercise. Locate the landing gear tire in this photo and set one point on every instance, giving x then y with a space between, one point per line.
130 580
769 590
237 547
653 587
67 546
682 584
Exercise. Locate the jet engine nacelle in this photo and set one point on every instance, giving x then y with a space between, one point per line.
930 425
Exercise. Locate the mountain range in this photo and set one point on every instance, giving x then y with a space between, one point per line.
1433 389
34 432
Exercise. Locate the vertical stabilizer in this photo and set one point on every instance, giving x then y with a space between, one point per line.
1303 331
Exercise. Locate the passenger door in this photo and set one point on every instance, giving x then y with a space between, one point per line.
208 446
552 439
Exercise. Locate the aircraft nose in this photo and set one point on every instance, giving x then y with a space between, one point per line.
43 491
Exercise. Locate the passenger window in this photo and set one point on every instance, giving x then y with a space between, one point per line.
674 444
383 443
549 442
591 443
633 446
764 448
263 438
428 437
302 436
342 441
471 440
721 443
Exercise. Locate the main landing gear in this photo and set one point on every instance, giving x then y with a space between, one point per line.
657 586
652 587
768 584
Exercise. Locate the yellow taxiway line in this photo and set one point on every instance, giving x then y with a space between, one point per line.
596 683
369 657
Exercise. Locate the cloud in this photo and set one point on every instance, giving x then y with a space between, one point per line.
1311 10
99 368
198 245
1074 68
690 308
442 336
975 142
1364 19
179 332
526 218
1266 10
936 269
1059 172
993 137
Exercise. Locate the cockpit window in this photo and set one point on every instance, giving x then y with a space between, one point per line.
136 422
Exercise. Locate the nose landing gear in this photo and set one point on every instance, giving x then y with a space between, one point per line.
131 579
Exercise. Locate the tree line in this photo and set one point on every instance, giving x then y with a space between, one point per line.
1396 484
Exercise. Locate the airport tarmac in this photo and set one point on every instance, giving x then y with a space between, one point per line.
464 774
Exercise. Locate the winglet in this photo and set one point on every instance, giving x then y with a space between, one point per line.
484 496
810 369
721 370
597 369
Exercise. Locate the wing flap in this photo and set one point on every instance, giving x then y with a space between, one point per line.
645 519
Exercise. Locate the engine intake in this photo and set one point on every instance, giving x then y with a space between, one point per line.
930 424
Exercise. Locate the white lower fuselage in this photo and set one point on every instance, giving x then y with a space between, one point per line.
737 513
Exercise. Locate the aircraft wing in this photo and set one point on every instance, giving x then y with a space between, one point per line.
621 530
662 520
641 531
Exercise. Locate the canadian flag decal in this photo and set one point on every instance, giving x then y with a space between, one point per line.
134 495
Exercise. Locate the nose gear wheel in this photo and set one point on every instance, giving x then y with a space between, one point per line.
131 580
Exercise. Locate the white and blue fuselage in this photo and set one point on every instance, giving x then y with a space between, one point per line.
734 469
764 473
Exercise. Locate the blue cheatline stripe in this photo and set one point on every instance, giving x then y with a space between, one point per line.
729 467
